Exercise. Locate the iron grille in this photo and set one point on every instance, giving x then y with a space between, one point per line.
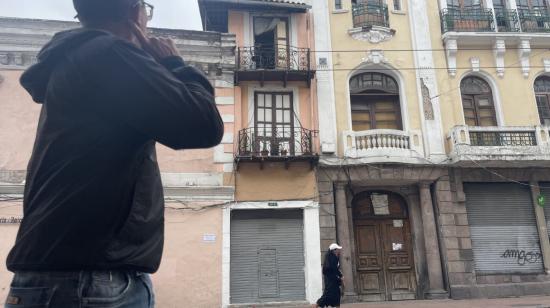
534 20
495 139
288 143
507 20
274 58
472 20
368 15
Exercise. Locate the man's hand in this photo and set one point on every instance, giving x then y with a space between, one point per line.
159 48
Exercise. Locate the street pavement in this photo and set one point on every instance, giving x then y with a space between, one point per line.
521 302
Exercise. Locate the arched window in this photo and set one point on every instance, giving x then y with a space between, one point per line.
542 93
374 102
477 101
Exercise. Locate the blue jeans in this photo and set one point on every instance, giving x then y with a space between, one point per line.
105 289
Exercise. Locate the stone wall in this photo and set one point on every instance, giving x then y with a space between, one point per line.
457 244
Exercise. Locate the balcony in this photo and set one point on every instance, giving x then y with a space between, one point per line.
522 146
368 15
290 145
475 20
274 63
534 20
507 20
383 146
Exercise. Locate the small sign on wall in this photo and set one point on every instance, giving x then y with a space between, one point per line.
209 238
398 223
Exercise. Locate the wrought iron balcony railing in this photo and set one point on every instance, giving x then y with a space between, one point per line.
473 20
285 58
503 138
368 15
534 20
254 143
525 145
507 20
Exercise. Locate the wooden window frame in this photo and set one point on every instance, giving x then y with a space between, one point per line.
292 139
476 108
373 90
545 94
461 6
530 5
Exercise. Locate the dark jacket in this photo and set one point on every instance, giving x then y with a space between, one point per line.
333 279
93 196
331 268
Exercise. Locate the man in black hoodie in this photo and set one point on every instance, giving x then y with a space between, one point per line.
93 203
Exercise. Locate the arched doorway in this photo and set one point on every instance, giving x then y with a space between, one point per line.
375 102
542 93
478 103
384 260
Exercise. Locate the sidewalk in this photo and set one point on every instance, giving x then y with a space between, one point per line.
522 302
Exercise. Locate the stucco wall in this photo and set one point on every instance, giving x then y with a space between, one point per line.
190 270
275 182
18 122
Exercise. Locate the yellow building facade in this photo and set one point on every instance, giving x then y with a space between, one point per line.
435 153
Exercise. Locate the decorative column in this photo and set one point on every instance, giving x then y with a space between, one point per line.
433 258
343 235
427 88
541 226
325 80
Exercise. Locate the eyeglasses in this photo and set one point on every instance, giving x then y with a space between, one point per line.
149 9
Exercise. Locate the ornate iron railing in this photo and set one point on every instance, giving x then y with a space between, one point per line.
473 20
368 15
534 20
286 58
507 20
287 143
505 138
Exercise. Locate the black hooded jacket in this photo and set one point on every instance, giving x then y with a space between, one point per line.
93 196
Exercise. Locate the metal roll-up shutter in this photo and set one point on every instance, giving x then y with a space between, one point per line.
503 228
545 191
267 256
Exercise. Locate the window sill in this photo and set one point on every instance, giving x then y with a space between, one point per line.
340 11
399 12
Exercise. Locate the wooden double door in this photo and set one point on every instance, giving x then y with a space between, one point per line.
384 260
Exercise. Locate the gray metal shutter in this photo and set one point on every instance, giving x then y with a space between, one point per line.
267 256
545 191
503 228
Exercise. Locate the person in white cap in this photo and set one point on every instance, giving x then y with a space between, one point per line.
333 278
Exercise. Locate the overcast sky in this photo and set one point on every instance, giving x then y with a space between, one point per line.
174 14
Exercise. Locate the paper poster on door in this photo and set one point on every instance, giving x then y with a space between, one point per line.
397 246
398 223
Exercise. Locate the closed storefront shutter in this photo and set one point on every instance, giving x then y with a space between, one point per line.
545 191
503 228
267 256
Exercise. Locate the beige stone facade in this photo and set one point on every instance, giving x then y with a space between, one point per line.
408 122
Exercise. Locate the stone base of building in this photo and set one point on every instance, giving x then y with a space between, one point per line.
500 290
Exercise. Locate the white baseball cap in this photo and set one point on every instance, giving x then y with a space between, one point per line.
334 246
